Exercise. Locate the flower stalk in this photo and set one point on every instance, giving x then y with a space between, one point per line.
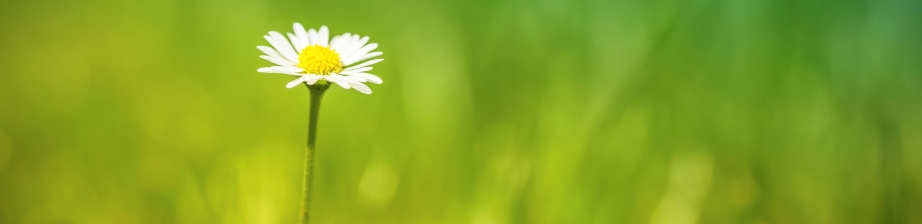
318 62
316 92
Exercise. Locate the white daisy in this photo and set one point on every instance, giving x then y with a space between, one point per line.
315 58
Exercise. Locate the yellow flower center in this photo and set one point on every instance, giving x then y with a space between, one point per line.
319 60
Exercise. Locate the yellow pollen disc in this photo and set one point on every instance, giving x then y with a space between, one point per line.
319 60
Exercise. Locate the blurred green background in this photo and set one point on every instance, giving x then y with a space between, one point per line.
492 112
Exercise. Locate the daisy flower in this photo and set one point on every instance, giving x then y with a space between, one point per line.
318 60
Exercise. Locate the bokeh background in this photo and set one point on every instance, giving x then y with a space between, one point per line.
491 112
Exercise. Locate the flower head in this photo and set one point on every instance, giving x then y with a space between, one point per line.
316 59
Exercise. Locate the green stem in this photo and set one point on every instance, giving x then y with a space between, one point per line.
317 91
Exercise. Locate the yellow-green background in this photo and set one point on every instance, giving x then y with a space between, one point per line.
507 111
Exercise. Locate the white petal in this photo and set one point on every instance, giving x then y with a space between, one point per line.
310 79
294 83
366 64
357 70
301 34
355 46
347 79
351 46
287 69
371 78
357 58
312 36
361 52
335 79
356 78
272 53
339 41
296 43
282 45
275 60
360 87
360 42
272 70
323 36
